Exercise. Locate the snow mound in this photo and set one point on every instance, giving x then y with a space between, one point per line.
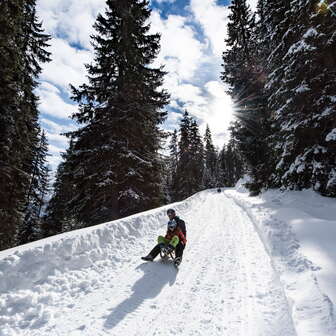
34 275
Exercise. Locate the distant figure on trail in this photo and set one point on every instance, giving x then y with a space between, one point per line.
219 190
175 239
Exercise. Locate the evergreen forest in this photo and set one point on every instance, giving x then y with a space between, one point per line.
279 68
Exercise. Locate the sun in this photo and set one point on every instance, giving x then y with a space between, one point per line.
220 112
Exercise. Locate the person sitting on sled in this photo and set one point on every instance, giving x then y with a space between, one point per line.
173 240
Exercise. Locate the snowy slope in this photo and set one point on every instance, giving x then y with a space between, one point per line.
244 273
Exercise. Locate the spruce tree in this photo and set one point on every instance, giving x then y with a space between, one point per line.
22 49
58 217
210 161
196 163
116 165
172 164
181 183
304 103
245 72
173 148
189 171
237 59
30 229
12 193
231 164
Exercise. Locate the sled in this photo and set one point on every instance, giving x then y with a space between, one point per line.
167 256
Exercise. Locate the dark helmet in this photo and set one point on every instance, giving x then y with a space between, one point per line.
172 224
171 212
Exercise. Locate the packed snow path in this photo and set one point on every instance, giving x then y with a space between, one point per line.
226 284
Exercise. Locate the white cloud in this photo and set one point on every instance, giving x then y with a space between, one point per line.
55 138
193 62
172 121
73 20
221 107
54 160
54 127
51 102
55 150
253 4
194 66
181 51
188 93
213 19
57 143
67 65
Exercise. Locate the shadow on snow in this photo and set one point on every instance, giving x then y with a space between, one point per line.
156 276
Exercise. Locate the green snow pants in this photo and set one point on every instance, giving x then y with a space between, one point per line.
174 241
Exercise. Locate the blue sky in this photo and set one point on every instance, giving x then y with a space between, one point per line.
192 41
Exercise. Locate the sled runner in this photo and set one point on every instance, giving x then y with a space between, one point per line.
166 255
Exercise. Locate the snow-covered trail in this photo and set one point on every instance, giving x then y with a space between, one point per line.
226 285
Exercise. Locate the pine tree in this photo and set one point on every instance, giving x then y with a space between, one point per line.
22 49
30 229
173 148
231 164
210 162
188 177
245 72
196 163
237 59
277 36
180 183
12 193
172 164
116 165
58 217
304 102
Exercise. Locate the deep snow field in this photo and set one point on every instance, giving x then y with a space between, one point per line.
253 266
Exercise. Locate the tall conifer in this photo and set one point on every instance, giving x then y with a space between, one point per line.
116 164
210 161
304 102
231 164
38 189
196 164
180 183
244 71
22 49
190 165
58 217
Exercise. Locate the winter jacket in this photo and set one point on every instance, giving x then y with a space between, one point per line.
181 225
177 232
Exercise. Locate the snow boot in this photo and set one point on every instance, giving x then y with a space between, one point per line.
177 261
148 258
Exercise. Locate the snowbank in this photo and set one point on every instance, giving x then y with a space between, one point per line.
48 287
31 274
298 230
